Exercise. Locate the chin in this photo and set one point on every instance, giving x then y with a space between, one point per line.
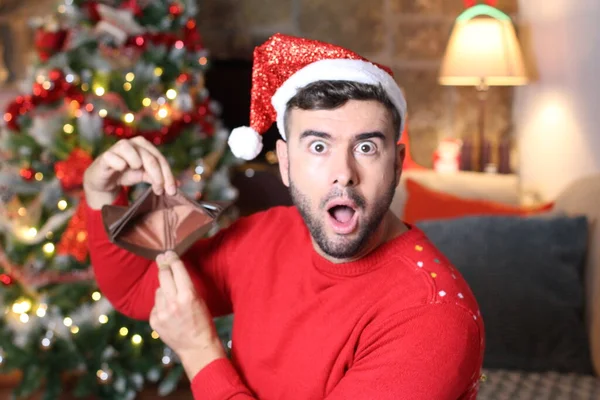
340 247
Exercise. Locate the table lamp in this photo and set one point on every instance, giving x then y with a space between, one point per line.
483 51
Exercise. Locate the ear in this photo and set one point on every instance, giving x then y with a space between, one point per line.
401 153
284 163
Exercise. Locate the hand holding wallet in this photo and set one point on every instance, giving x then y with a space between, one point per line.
153 224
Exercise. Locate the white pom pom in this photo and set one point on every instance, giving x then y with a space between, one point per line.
245 143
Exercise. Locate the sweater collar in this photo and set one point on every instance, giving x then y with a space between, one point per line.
371 261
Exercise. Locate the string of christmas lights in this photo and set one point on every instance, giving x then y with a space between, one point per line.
105 70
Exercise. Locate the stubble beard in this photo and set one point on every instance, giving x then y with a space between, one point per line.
342 246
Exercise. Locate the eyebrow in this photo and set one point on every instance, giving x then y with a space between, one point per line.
370 135
359 137
310 132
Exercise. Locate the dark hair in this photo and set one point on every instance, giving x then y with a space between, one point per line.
328 95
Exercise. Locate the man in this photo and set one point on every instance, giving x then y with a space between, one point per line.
334 298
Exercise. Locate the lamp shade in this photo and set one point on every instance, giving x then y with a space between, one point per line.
483 49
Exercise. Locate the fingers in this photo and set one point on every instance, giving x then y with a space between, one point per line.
137 155
168 178
127 152
112 160
152 170
165 277
160 300
182 279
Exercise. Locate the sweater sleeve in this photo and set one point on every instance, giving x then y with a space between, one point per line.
130 281
429 352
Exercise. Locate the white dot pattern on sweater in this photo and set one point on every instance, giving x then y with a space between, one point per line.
434 272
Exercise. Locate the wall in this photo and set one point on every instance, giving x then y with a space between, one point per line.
16 36
408 35
557 117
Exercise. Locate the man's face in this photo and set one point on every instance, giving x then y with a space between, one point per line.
342 167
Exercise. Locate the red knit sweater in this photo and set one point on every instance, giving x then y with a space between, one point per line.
400 323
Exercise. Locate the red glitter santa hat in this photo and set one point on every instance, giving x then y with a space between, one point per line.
284 64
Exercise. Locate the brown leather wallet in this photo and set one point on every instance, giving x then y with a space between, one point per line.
153 224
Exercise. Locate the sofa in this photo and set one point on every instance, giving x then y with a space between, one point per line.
534 268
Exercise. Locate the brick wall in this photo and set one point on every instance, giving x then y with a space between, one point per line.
408 35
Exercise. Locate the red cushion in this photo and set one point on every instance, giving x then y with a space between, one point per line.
424 203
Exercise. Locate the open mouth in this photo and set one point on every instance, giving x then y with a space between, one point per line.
343 217
342 214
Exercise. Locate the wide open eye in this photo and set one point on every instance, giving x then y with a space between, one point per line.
318 147
366 148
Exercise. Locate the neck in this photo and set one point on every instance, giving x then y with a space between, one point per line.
389 228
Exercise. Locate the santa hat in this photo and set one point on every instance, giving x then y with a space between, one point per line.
284 64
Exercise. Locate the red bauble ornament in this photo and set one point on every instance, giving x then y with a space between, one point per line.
27 173
140 41
16 108
175 10
70 171
166 39
183 77
133 6
73 241
56 91
37 90
92 10
6 279
74 93
191 36
49 43
56 75
208 128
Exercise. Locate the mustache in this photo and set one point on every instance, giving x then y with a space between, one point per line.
350 193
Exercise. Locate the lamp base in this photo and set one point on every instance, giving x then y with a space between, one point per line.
482 94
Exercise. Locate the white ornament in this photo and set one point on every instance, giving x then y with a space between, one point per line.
54 321
108 353
120 384
153 375
21 329
138 380
44 129
51 193
52 224
117 23
215 107
82 315
183 102
190 7
89 126
144 71
100 307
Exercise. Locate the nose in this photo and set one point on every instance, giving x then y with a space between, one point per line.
344 170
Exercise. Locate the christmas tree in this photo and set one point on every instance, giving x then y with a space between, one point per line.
103 71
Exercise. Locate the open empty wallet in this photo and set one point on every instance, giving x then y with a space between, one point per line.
153 224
